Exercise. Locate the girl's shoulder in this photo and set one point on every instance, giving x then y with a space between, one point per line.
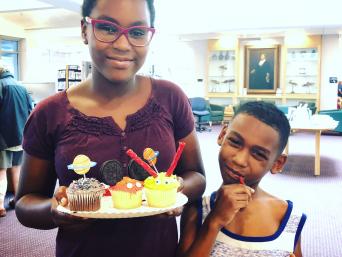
52 102
166 87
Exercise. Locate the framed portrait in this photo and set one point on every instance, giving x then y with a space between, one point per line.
262 69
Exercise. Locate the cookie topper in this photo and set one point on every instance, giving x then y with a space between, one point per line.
146 167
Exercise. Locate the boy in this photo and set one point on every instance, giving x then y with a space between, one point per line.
241 219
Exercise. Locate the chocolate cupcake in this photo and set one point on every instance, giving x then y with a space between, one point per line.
85 194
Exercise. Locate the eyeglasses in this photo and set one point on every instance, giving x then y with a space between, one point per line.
108 32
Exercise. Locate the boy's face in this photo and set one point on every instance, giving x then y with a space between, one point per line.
249 148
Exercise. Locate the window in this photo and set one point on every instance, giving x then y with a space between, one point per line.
9 55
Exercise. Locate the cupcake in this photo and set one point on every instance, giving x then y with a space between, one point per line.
161 191
85 194
127 194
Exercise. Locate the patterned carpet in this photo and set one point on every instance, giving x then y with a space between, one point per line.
319 197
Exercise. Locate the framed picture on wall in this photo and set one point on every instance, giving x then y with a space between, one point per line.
262 69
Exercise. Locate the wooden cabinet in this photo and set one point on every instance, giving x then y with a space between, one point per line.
299 73
68 77
222 69
221 74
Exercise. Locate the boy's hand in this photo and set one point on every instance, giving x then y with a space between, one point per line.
229 200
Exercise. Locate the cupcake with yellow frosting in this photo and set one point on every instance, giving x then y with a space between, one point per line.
160 187
127 193
161 190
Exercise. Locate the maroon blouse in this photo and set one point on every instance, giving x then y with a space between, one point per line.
58 132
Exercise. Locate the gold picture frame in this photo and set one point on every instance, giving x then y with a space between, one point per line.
262 69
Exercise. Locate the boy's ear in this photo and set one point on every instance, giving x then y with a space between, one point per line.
84 32
279 164
222 134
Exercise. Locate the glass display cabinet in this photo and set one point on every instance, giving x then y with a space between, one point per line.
221 73
302 70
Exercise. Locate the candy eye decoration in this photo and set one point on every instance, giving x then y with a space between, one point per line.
129 185
138 184
166 182
157 181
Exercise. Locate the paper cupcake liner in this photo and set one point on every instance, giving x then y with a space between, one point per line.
85 201
126 200
161 198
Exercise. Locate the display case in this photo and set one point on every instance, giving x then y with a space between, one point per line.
68 77
302 71
221 71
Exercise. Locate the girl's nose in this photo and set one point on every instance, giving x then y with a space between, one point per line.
122 43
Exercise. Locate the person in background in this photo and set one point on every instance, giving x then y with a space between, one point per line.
113 111
241 219
15 107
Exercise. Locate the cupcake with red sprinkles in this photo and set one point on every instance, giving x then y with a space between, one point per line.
127 193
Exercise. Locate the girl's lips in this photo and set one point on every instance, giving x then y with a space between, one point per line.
120 63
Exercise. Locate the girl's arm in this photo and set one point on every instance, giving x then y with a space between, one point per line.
190 168
35 201
36 186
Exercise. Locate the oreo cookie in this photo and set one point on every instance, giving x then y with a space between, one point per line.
111 172
135 171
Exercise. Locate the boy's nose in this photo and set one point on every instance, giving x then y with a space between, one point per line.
241 158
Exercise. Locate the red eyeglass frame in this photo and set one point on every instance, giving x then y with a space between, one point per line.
122 31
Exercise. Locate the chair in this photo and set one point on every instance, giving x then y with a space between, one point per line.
336 115
216 112
200 111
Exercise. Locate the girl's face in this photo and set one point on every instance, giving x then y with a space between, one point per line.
118 61
249 149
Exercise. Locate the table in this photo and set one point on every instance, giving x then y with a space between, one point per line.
317 130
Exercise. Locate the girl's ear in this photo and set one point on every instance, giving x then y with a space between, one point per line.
222 134
279 164
84 32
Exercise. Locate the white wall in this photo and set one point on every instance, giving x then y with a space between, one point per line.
10 29
48 50
183 62
330 67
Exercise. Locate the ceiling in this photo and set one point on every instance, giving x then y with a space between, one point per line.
195 19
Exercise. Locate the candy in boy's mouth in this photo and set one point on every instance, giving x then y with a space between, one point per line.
234 174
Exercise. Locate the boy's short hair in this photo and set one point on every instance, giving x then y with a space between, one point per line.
269 114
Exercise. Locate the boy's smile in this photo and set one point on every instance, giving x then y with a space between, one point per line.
248 149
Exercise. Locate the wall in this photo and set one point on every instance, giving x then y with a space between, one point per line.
331 67
50 50
182 62
10 29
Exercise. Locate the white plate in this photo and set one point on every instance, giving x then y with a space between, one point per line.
108 212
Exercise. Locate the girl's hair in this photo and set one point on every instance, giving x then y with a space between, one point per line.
88 6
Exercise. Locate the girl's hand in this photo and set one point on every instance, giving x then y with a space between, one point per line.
229 200
64 220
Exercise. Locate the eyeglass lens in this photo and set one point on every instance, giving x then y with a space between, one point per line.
108 32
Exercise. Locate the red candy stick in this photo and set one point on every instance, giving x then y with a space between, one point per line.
143 164
175 159
242 180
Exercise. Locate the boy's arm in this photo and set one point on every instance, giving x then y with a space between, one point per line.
229 200
298 251
192 242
